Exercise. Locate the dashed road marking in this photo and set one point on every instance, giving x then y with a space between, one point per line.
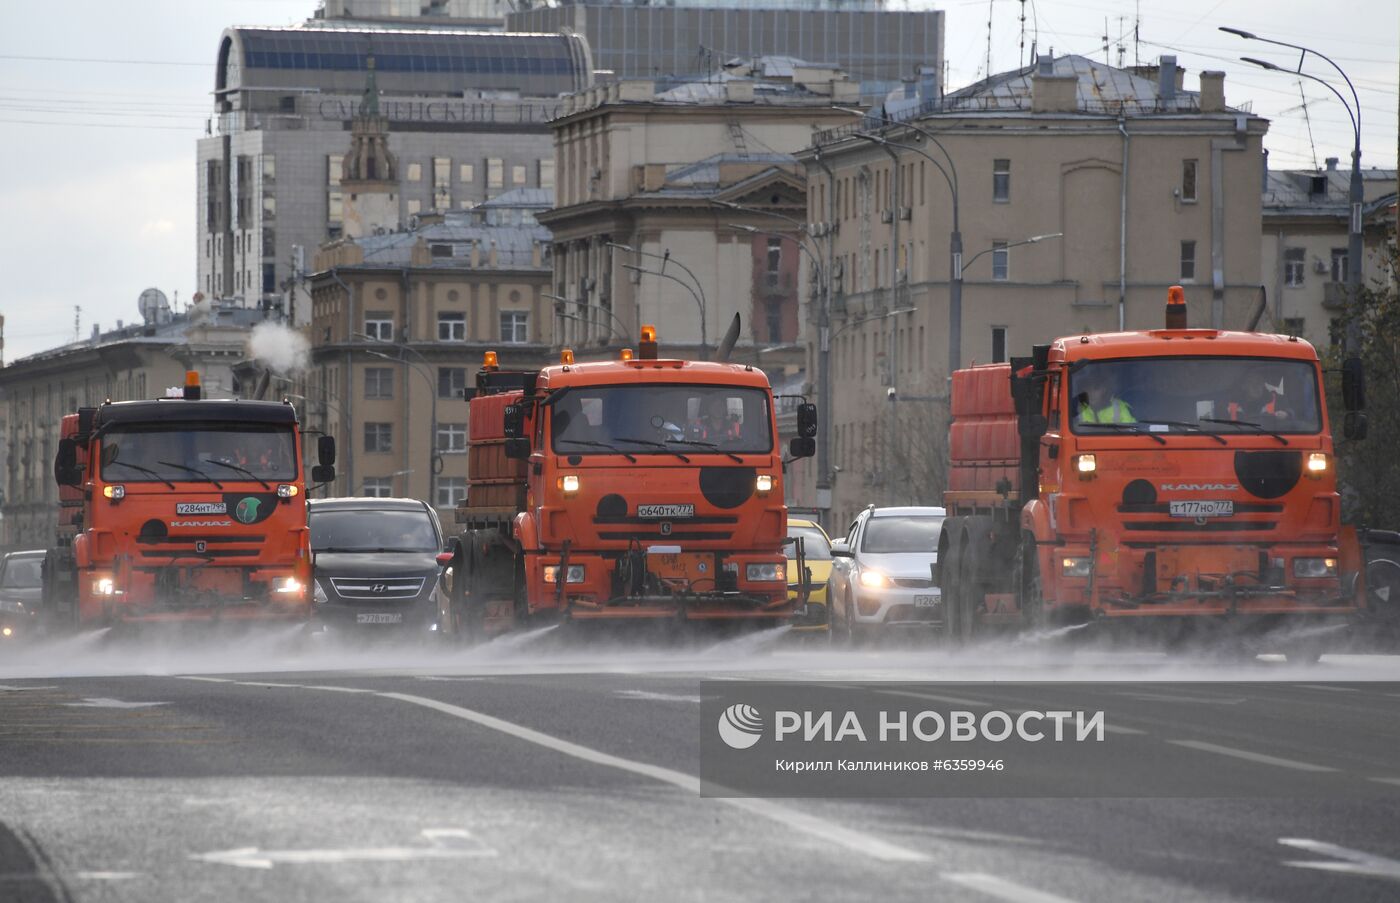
1248 756
443 843
1328 687
1001 888
1345 861
656 697
103 702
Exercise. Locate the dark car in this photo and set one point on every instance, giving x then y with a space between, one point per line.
377 563
21 590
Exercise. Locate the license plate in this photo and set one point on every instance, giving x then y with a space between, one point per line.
201 508
1195 508
923 600
379 618
665 511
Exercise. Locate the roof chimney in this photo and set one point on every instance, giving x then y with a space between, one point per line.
1166 78
1044 64
1212 92
1331 164
1051 93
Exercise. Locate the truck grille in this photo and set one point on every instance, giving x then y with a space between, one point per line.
377 587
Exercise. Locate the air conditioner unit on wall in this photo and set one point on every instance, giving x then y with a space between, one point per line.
1319 265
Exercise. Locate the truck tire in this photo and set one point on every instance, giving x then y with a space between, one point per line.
975 563
1030 591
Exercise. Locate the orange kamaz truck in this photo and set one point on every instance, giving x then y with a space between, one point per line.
1178 478
634 489
181 508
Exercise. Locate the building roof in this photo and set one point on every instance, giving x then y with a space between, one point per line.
520 198
1293 192
409 61
1101 88
451 242
168 331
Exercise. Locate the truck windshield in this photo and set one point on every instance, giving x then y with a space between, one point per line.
198 452
661 419
1190 394
372 530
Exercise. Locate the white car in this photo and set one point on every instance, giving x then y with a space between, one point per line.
882 576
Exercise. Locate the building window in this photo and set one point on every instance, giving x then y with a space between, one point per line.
269 168
466 173
1294 326
1295 262
451 381
1188 181
517 175
415 172
1001 181
334 164
1188 261
378 487
515 327
1339 264
1001 261
495 173
451 491
379 437
452 437
269 278
452 327
269 208
775 259
546 173
379 382
335 208
415 206
998 344
379 325
442 183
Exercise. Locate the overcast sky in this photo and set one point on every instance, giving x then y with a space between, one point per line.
101 102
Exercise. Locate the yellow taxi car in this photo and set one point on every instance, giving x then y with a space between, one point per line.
816 546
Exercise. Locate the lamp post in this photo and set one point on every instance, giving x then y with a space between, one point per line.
561 300
699 302
1352 337
421 370
1015 244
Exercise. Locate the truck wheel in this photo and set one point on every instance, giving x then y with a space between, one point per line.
974 562
1030 589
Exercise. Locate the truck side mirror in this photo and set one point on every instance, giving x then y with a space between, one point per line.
1353 384
65 464
323 473
518 449
1354 425
514 421
806 421
325 450
802 447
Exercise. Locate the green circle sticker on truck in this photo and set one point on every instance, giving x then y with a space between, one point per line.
247 510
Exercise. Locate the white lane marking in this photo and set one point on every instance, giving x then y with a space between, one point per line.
1353 862
103 702
1204 700
1001 888
443 843
1393 781
853 840
106 876
210 680
977 703
658 697
6 688
1329 688
1250 756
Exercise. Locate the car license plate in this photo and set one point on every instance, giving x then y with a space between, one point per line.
665 511
379 618
1196 508
924 600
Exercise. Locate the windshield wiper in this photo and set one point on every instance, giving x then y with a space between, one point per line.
194 470
654 444
146 470
1130 427
243 470
591 443
1257 427
1190 426
703 444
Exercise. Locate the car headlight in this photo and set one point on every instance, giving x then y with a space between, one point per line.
7 632
764 483
569 483
874 579
1314 567
318 595
1074 567
15 607
287 490
551 573
765 573
286 586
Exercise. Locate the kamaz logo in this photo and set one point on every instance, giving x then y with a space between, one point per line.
1200 487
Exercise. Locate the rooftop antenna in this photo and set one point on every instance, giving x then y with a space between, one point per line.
77 322
1137 29
1021 50
987 67
1307 118
1106 57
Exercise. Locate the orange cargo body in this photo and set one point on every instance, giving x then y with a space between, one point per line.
983 444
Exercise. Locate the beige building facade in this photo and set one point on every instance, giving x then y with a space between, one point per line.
1130 183
399 326
1304 251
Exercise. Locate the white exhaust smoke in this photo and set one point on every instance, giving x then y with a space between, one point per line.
279 348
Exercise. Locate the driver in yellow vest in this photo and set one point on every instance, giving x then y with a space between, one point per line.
1098 403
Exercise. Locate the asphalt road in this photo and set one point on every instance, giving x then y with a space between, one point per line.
251 771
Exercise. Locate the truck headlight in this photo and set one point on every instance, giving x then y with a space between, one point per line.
1317 464
1074 567
1086 465
764 483
115 492
874 579
575 575
1314 567
286 586
569 483
287 490
765 573
103 586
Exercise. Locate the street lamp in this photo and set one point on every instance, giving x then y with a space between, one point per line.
699 292
421 370
699 302
1357 195
1015 244
560 299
